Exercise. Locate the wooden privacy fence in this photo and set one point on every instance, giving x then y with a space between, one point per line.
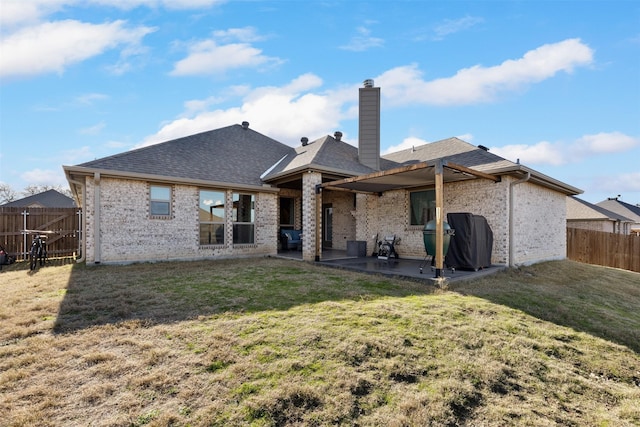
600 248
61 226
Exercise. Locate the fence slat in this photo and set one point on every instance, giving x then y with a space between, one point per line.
61 225
607 249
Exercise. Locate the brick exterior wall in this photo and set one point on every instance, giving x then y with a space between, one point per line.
129 234
310 211
344 222
604 225
539 218
540 221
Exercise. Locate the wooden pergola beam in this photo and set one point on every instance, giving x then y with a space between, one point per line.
379 174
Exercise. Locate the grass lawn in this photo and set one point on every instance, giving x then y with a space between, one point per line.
271 342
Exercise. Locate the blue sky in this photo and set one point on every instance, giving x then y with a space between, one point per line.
555 84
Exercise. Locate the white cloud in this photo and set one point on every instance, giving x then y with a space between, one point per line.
618 184
604 142
245 35
20 12
363 41
478 84
44 177
266 109
90 98
465 137
560 152
92 130
451 26
53 46
210 57
541 153
406 143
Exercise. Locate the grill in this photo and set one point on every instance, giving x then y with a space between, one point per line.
429 239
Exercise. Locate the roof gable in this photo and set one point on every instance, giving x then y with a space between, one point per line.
327 154
581 209
233 154
622 208
454 150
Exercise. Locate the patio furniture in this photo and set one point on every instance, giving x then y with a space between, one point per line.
291 239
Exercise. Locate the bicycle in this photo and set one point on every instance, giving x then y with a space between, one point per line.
38 252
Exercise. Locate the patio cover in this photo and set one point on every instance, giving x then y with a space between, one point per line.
435 172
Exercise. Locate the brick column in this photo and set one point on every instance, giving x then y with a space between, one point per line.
311 209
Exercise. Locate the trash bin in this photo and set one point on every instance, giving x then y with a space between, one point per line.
357 248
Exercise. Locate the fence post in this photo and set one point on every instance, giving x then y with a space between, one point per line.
25 213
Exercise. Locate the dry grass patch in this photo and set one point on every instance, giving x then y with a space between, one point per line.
270 342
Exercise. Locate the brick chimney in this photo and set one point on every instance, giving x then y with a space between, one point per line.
369 126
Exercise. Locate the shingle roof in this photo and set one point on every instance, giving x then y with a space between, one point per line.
46 199
323 153
231 154
454 150
622 208
581 209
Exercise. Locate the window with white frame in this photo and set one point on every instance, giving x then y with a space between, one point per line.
160 201
212 217
243 218
422 206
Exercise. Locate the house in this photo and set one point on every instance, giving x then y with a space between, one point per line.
587 216
228 192
626 209
46 199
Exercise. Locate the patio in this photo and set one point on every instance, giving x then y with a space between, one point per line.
402 268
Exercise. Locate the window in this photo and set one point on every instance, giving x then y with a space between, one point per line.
212 216
160 200
287 213
243 218
423 206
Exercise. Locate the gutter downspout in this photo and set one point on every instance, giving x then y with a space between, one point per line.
511 215
96 218
83 226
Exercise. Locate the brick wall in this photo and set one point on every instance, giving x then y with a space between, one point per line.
128 234
310 211
540 216
344 222
603 225
540 221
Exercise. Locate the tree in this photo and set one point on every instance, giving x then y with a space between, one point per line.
32 189
7 194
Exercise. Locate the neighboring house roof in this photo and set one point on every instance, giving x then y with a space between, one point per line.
232 154
618 206
46 199
578 209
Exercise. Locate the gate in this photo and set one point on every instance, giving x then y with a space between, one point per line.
61 226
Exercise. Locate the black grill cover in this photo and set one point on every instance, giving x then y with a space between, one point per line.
472 243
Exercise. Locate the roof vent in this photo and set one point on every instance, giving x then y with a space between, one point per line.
337 135
245 125
482 147
304 141
368 83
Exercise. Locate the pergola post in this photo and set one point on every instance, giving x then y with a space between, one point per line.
439 181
